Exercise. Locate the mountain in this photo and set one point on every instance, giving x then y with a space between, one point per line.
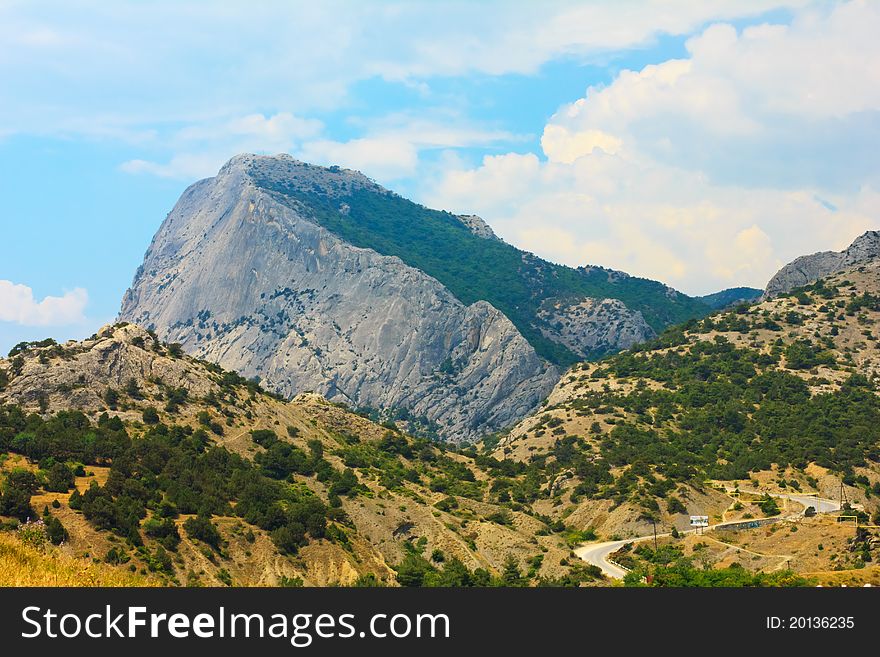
731 297
156 463
313 278
807 269
781 395
171 468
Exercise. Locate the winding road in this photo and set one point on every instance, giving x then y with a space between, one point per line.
597 553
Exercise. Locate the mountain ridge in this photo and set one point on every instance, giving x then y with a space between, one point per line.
340 286
809 268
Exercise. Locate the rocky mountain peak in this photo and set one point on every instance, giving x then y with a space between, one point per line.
242 274
285 172
807 269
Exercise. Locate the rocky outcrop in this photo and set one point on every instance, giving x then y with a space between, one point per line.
76 375
477 226
250 283
807 269
590 327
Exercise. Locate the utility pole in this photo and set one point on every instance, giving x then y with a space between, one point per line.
654 522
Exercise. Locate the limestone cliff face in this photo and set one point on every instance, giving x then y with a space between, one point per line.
590 327
238 278
477 226
809 268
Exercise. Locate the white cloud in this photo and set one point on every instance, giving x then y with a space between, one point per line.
203 148
704 172
562 145
187 166
774 104
277 131
74 63
17 304
382 158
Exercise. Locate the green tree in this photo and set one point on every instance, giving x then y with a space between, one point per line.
150 415
510 574
59 478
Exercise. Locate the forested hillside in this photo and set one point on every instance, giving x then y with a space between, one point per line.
123 450
783 392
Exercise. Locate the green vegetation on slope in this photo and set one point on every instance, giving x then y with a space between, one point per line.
719 398
475 268
730 296
668 567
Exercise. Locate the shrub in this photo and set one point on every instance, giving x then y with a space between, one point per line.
201 528
55 531
59 479
33 533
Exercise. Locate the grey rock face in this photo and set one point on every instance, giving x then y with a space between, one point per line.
807 269
244 281
477 226
79 379
592 326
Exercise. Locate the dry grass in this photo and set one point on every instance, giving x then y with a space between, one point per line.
23 565
858 577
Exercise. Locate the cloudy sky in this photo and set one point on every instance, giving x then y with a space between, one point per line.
703 144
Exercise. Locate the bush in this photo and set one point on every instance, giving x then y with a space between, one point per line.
33 533
55 531
164 531
111 398
59 479
768 506
132 389
150 415
265 437
202 529
675 505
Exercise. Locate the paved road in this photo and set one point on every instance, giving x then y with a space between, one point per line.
597 553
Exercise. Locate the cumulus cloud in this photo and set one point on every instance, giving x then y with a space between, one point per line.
204 147
798 103
18 305
563 145
74 64
708 171
382 158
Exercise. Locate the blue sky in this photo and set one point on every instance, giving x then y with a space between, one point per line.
702 144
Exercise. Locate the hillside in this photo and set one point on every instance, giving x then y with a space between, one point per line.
25 565
151 462
160 465
731 296
318 279
777 396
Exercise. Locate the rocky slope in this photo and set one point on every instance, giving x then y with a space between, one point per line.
592 327
315 278
403 496
807 269
252 284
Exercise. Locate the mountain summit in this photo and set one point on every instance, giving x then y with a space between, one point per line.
809 268
314 278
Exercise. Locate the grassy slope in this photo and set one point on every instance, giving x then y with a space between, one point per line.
23 565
